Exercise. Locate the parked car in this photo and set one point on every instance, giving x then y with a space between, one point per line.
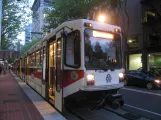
141 78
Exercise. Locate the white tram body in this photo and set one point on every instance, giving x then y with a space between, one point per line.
100 82
79 60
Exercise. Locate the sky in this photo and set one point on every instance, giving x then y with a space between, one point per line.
21 36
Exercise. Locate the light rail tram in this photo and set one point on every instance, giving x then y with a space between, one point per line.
81 60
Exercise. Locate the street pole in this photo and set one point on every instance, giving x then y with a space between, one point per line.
0 23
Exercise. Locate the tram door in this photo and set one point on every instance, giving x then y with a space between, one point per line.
55 73
52 71
59 73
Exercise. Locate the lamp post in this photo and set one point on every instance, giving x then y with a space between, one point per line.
101 18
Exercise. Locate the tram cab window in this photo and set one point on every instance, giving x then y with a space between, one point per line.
72 52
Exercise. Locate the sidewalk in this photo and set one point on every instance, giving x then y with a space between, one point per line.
19 102
14 104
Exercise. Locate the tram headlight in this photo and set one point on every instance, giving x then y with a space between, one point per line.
121 75
90 77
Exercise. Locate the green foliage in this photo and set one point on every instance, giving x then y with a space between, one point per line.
63 10
13 16
11 60
72 9
27 46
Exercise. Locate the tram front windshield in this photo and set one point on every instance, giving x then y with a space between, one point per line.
102 50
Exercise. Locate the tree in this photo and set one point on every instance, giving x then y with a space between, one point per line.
64 10
89 9
13 17
72 9
27 46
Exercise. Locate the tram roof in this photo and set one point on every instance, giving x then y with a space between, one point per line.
78 21
69 23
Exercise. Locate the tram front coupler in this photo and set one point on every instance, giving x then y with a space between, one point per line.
115 100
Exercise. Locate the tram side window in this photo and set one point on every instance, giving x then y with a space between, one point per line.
73 50
32 59
21 61
41 57
37 58
25 62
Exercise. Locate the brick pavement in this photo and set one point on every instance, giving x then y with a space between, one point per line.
14 103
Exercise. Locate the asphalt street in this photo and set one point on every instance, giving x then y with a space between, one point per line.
146 103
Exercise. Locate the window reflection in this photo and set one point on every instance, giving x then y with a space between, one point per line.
100 52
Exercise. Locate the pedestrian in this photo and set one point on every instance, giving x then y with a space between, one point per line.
4 69
9 68
0 69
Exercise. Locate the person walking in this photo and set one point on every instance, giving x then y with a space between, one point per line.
4 69
0 69
9 68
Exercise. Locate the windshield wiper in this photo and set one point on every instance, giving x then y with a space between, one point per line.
105 68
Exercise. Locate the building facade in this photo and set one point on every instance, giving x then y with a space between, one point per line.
28 30
38 20
144 35
151 22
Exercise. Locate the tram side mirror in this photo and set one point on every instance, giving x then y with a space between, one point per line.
64 34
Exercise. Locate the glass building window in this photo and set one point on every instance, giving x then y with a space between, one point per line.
133 42
36 5
154 39
154 63
135 61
